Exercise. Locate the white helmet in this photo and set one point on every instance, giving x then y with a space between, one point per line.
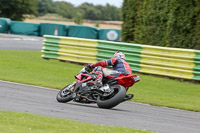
119 55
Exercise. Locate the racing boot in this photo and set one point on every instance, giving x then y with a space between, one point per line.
128 97
76 98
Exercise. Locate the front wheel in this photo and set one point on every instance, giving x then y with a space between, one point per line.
65 94
113 100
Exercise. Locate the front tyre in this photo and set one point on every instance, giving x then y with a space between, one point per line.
113 100
65 94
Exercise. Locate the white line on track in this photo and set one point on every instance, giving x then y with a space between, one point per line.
28 85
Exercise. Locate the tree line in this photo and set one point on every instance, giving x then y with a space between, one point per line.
16 9
87 10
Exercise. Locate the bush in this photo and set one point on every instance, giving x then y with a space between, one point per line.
78 19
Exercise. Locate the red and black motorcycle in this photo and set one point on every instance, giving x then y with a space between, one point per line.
107 96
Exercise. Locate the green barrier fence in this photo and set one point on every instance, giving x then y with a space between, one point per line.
172 62
4 25
53 29
18 27
109 34
82 31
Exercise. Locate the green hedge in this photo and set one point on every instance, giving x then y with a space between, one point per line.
171 23
129 13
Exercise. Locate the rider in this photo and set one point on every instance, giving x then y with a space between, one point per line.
119 66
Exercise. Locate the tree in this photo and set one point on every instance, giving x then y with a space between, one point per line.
44 7
92 12
111 12
78 18
64 9
17 9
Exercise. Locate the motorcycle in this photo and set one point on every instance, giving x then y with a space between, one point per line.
108 95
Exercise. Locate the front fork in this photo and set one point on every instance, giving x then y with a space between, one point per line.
71 88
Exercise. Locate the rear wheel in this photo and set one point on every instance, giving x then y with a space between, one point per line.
65 95
114 99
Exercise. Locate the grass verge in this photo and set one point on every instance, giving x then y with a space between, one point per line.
12 122
28 67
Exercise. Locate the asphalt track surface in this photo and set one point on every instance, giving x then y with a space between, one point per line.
42 101
8 41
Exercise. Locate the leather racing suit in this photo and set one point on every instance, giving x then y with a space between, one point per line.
119 66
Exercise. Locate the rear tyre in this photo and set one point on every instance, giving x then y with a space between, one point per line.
65 95
113 100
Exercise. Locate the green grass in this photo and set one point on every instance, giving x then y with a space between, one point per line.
167 92
54 16
12 122
28 67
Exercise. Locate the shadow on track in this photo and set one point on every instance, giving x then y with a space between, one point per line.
96 107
